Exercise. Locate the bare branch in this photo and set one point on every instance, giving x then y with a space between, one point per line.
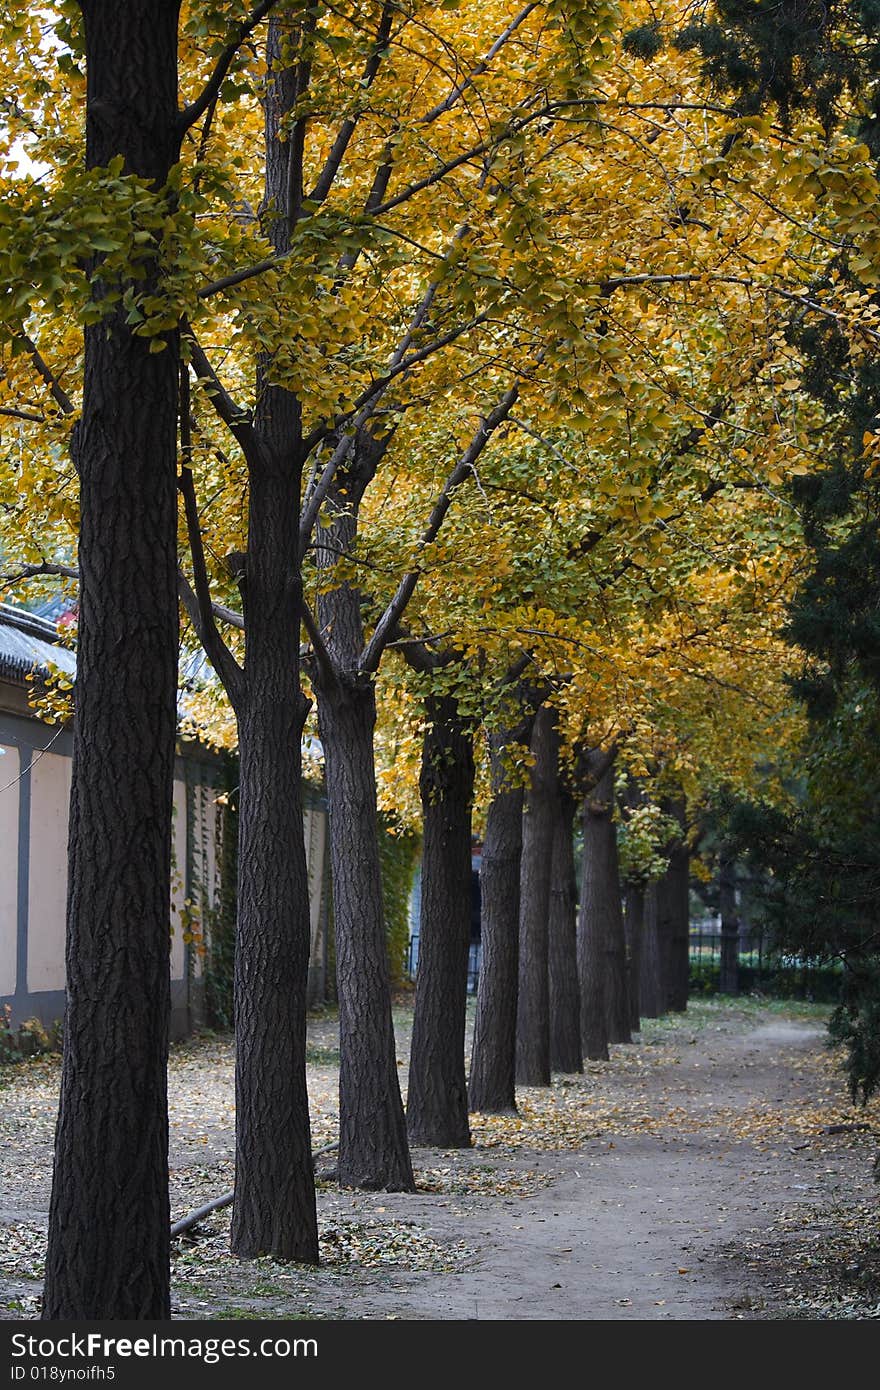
319 646
202 614
22 415
233 415
24 572
318 492
59 395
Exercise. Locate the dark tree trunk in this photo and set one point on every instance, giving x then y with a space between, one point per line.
675 909
533 996
492 1083
565 1011
108 1251
274 1210
652 987
436 1108
729 979
373 1149
634 924
602 948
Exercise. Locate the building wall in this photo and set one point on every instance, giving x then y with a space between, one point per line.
10 767
34 801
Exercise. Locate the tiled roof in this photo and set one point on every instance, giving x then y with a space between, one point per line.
29 643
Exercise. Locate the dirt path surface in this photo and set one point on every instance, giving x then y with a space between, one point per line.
693 1176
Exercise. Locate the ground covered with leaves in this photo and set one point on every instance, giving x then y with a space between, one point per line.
713 1169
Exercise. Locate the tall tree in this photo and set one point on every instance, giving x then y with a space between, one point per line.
533 994
565 1012
492 1080
108 1253
602 943
436 1107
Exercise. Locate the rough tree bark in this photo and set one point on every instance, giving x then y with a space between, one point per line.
729 975
652 986
274 1208
601 942
533 997
675 910
108 1251
565 1011
492 1081
634 925
436 1109
373 1149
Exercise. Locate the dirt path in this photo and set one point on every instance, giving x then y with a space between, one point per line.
691 1177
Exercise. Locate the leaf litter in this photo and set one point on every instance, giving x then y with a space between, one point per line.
819 1262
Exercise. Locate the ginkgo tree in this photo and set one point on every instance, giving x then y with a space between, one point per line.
440 239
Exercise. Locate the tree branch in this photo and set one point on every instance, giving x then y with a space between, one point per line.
11 577
337 151
319 646
386 625
233 415
202 612
190 114
461 88
59 395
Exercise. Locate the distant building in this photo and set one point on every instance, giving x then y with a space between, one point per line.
35 778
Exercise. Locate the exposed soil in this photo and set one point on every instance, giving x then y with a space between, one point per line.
693 1176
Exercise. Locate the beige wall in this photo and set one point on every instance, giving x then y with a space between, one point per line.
178 889
47 882
10 768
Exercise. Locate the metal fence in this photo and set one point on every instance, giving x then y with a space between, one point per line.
762 967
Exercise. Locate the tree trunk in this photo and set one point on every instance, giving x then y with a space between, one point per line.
533 997
729 975
436 1109
373 1149
274 1209
108 1251
652 988
675 907
492 1084
634 923
602 950
565 1011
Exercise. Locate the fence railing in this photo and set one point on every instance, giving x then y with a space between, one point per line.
761 967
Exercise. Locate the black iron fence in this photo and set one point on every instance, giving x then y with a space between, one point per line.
761 967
